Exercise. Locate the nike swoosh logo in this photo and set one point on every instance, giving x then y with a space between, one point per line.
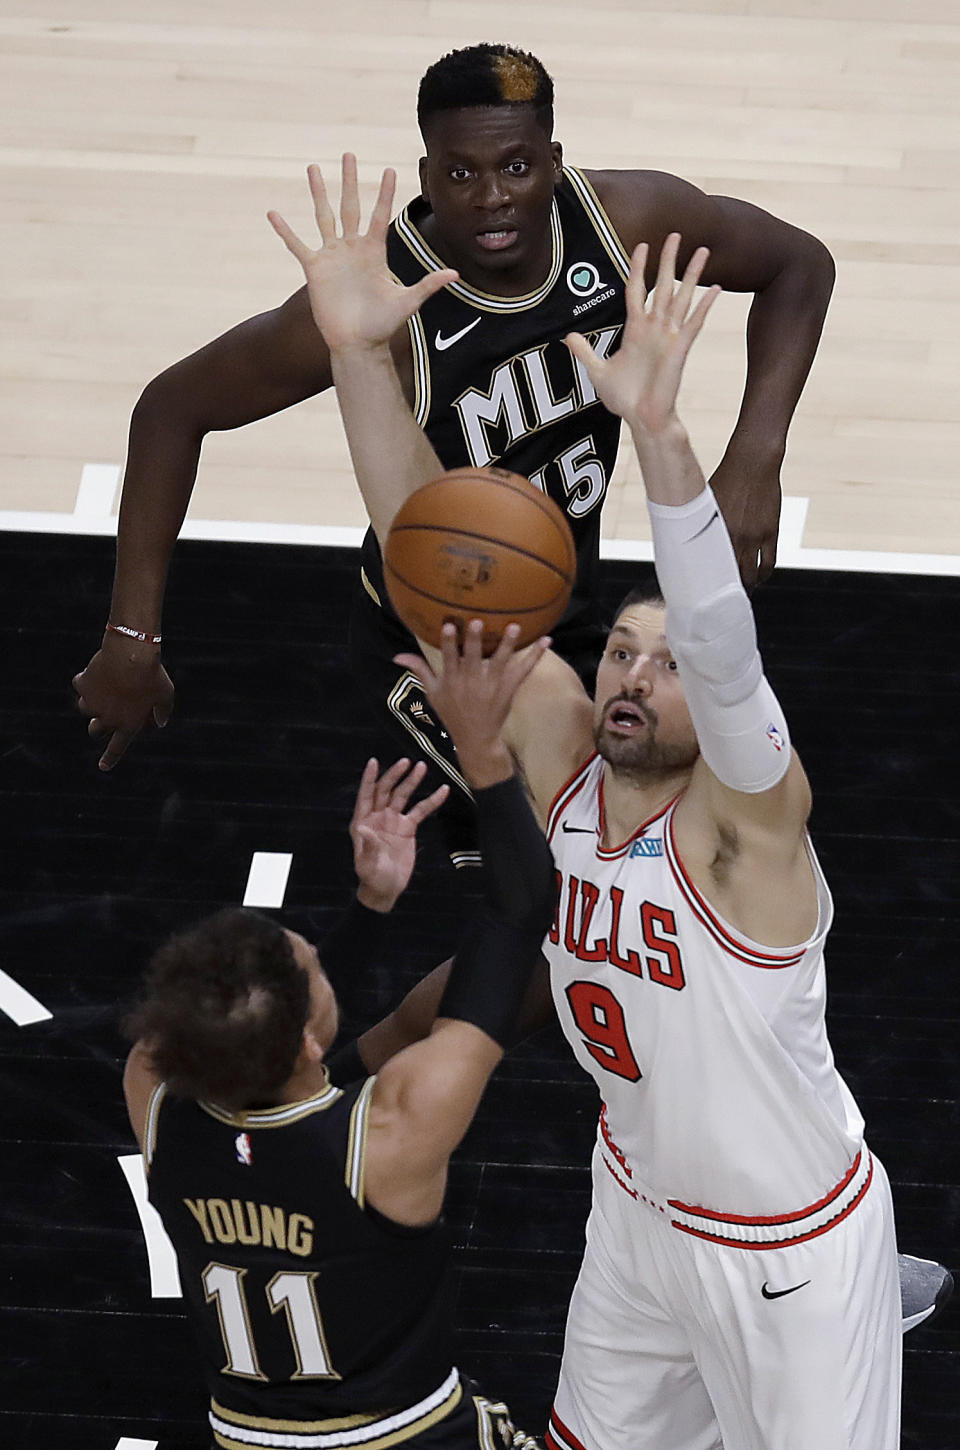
577 830
779 1293
714 515
442 343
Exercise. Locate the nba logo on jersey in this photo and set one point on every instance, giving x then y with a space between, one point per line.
774 736
647 847
244 1151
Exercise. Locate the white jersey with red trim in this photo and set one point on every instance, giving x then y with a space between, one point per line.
722 1104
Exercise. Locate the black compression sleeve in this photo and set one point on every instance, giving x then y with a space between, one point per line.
493 965
354 943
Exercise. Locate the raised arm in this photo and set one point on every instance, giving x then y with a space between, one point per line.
746 772
425 1097
791 275
358 307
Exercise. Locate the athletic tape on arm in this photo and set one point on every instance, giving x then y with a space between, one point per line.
740 725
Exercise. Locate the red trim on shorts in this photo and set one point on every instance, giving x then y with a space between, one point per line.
616 1176
777 1243
775 1218
751 955
567 1440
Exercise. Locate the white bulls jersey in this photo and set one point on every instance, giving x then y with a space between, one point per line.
722 1105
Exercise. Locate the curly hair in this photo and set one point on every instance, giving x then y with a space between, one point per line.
486 75
222 1010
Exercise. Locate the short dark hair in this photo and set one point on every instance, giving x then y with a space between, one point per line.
486 75
222 1010
641 594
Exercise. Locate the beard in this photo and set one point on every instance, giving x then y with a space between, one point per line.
643 756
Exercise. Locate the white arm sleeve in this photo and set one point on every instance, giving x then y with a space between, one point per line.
740 726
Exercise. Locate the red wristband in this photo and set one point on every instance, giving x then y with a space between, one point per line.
129 633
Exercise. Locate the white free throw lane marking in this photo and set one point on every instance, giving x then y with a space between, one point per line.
164 1274
267 881
98 487
125 1443
18 1004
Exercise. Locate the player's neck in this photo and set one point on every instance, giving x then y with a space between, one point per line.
631 798
307 1081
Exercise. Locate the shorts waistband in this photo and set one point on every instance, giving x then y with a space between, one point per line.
750 1232
234 1431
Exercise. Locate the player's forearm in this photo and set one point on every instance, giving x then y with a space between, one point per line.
162 457
783 332
391 455
671 473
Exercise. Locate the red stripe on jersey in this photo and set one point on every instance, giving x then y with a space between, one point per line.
567 1439
770 961
616 1177
824 1202
566 794
778 1243
614 851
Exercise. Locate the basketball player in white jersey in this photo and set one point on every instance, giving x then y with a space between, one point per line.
739 1286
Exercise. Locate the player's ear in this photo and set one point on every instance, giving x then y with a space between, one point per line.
310 1049
556 156
422 169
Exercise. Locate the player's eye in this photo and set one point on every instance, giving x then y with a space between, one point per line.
671 665
517 168
459 173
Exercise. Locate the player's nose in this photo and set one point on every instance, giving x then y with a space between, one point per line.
491 192
638 678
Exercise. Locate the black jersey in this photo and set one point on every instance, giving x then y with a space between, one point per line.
494 383
307 1305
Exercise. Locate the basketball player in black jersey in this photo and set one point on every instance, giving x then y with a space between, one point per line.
280 1192
540 249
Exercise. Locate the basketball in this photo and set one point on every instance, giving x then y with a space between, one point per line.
479 543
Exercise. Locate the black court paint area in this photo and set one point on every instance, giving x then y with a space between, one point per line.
263 754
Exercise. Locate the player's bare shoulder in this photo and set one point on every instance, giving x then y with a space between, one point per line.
644 206
549 731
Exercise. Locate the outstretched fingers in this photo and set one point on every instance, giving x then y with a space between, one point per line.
349 195
427 806
383 206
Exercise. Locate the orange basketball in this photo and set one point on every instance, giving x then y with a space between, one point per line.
479 543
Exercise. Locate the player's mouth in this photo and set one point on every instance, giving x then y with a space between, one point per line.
497 239
626 717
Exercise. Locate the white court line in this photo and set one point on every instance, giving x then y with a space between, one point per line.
164 1274
791 555
267 880
126 1443
18 1003
98 487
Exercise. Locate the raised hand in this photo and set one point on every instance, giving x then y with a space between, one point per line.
641 380
473 694
384 831
355 301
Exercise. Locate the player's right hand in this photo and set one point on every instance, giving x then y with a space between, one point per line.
122 689
355 301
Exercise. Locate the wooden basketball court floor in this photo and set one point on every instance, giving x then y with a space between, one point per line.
138 154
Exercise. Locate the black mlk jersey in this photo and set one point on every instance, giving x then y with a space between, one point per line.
494 383
306 1304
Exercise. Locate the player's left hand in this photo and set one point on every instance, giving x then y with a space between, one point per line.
640 381
355 301
748 493
383 829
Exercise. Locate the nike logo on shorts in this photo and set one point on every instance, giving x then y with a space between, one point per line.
442 343
779 1293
